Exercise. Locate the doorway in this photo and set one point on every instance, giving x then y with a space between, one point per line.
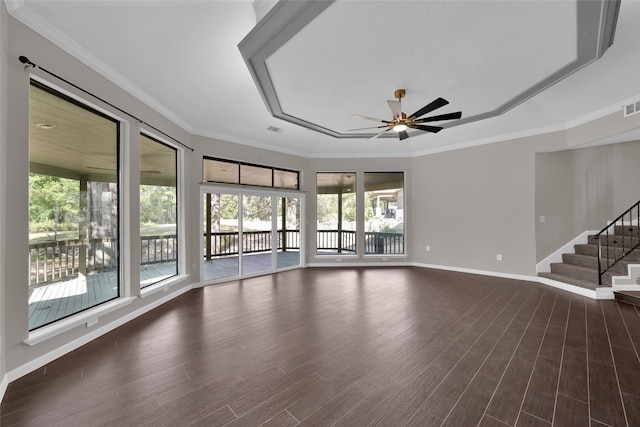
249 232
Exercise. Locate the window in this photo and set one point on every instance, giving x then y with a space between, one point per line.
158 211
384 212
232 172
336 213
73 206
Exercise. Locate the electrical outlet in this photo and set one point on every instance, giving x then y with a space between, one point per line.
499 257
542 218
427 248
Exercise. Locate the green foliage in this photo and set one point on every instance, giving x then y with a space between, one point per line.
53 203
158 204
257 208
327 207
229 206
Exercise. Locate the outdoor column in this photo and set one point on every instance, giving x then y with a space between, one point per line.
207 232
340 221
283 214
83 225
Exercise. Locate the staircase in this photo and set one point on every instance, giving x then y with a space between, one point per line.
581 267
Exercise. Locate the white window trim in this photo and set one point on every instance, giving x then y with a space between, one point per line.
90 317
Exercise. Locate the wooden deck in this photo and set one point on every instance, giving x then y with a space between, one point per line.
56 301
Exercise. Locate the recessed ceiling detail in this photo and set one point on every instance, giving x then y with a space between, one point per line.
519 50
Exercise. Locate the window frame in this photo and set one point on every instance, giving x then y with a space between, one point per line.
59 325
339 252
404 222
179 230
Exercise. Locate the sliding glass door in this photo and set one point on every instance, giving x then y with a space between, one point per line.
247 233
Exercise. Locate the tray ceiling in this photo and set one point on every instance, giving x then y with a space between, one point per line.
291 82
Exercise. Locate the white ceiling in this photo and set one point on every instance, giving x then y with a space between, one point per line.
182 58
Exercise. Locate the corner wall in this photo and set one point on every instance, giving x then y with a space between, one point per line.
3 190
472 204
581 189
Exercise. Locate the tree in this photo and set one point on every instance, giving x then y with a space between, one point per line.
53 203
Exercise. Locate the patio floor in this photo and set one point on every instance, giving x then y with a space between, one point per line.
48 303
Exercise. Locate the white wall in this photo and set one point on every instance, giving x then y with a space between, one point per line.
471 205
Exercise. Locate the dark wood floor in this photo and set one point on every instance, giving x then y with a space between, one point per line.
351 347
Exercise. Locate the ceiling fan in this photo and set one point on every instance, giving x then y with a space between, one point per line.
400 122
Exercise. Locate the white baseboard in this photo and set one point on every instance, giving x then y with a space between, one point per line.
545 264
481 272
602 293
66 348
356 264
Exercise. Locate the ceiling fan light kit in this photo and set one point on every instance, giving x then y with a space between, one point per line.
400 122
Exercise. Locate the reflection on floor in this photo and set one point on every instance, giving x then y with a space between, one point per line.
48 303
221 268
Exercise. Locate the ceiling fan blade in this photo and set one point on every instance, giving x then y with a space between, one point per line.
377 135
434 129
375 127
358 116
396 108
440 102
448 116
403 135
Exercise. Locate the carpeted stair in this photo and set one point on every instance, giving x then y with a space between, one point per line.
581 267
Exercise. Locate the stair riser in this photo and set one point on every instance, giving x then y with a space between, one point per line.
627 230
619 268
592 250
615 241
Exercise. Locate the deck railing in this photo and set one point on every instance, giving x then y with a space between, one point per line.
375 242
383 243
227 243
57 260
336 241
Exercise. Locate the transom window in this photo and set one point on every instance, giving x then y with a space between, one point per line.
233 172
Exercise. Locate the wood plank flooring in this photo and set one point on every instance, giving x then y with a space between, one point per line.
350 347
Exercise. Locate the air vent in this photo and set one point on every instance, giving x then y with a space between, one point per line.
631 109
274 129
